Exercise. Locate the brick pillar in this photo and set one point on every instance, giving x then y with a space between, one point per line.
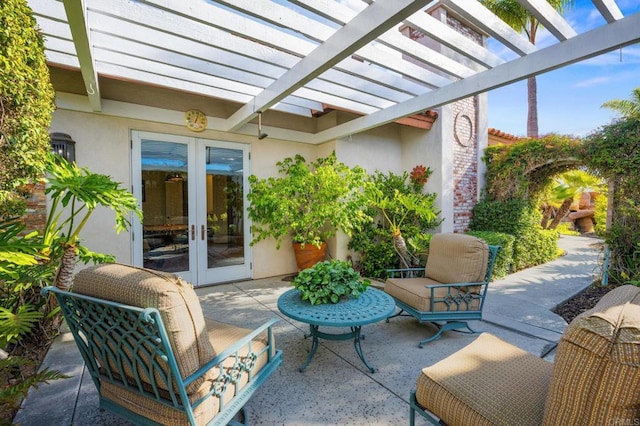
35 218
465 163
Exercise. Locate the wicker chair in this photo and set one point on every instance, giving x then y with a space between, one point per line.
152 355
451 290
594 380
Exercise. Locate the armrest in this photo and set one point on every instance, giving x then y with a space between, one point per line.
234 348
406 273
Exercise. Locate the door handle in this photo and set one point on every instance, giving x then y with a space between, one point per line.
193 232
202 232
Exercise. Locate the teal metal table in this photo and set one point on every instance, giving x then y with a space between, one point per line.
372 306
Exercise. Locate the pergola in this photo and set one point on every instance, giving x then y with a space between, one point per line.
303 56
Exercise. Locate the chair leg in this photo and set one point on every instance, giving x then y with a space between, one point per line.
240 419
449 325
395 315
414 408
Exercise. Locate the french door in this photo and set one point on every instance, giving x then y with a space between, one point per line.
192 193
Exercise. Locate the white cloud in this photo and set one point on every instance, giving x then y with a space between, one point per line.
596 81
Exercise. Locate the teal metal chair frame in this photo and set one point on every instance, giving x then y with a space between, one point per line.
130 337
415 407
454 308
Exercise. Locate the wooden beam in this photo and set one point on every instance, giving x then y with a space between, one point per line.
549 18
76 16
608 9
361 30
592 43
483 18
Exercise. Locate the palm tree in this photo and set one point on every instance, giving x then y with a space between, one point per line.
628 108
520 19
561 194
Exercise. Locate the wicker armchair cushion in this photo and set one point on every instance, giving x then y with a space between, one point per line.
596 376
413 292
457 258
178 304
489 382
221 335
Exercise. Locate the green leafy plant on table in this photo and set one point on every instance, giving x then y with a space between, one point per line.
329 281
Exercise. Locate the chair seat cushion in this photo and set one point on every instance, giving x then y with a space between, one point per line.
489 382
413 292
596 376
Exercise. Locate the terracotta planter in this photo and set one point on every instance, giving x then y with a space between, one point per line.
309 255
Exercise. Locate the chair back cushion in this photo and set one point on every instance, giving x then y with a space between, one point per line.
457 258
178 304
596 373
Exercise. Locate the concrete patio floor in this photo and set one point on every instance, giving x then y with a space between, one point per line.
336 388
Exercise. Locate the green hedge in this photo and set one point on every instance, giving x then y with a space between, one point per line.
521 219
26 104
502 266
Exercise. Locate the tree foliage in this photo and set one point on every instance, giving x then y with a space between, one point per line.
612 153
26 103
310 201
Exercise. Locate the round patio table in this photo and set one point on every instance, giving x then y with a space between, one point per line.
371 306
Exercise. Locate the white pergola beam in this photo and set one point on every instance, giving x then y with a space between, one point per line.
608 9
449 37
76 16
483 18
549 18
595 42
362 29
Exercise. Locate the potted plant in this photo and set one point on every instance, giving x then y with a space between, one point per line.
308 201
329 281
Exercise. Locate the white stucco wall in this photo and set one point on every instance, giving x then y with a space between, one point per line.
103 145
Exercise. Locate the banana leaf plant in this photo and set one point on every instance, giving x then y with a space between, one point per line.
396 209
75 194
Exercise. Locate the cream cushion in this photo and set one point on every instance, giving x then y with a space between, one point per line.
457 258
489 382
194 339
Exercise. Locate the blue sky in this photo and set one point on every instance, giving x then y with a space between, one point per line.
569 98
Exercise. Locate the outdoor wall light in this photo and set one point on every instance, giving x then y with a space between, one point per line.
63 145
260 134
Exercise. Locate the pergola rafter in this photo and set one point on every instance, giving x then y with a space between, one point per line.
301 56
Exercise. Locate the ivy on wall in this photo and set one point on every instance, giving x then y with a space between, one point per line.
26 103
522 170
613 153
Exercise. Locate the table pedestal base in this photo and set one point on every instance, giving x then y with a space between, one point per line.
354 334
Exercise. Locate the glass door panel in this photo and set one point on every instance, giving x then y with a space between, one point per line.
165 204
225 230
225 256
192 194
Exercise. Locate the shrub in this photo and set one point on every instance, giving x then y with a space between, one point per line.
503 264
310 201
26 104
374 240
600 215
519 218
